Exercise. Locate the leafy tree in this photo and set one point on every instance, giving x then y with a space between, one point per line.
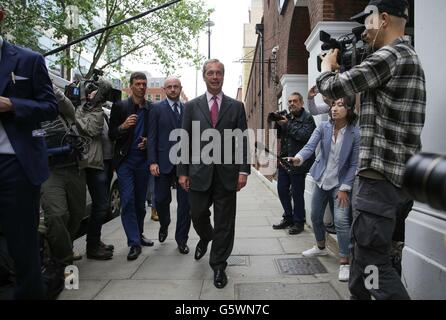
165 37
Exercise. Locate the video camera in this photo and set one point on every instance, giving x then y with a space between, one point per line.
350 54
277 116
78 91
425 179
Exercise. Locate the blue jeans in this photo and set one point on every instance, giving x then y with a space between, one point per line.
342 218
295 182
133 178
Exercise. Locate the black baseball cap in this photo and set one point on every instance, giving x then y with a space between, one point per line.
398 8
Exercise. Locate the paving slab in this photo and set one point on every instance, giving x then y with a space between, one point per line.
263 246
116 268
88 289
283 291
151 290
182 267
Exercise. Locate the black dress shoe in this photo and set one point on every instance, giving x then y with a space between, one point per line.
183 248
134 253
220 279
162 234
146 242
108 247
98 253
200 250
296 229
282 224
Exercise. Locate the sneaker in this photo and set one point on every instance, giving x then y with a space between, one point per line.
296 229
283 224
315 251
344 272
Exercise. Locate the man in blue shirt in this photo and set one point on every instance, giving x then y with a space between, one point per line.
128 127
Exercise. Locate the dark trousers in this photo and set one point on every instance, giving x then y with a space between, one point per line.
375 207
222 234
295 182
99 189
163 196
132 181
63 203
19 219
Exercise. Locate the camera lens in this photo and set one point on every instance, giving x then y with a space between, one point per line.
425 179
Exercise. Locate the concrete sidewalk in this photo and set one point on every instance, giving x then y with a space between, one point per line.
254 271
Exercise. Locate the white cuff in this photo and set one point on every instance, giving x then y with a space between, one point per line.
345 187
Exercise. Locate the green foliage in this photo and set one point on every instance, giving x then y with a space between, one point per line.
166 37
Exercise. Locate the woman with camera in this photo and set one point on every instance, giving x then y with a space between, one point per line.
334 172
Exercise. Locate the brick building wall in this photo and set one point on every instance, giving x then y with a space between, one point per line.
288 31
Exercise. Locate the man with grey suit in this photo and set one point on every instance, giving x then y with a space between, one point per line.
218 181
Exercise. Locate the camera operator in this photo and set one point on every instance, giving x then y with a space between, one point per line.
392 116
63 194
90 122
294 130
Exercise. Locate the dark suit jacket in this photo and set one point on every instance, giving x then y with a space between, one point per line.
162 121
119 113
33 101
231 116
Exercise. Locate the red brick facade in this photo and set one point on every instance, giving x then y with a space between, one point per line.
288 32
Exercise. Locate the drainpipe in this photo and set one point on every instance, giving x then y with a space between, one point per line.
259 31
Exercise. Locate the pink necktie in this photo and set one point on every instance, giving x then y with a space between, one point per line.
214 112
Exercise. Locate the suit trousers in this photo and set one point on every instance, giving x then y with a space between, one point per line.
222 234
163 196
133 177
19 220
63 203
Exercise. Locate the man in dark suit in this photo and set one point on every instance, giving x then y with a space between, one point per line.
128 127
165 117
26 99
216 182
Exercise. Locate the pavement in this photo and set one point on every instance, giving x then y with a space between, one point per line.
261 266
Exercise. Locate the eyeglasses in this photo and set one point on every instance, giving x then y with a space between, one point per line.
172 87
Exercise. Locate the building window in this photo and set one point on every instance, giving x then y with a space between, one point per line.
149 97
158 97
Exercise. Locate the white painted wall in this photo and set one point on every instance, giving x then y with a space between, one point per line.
424 257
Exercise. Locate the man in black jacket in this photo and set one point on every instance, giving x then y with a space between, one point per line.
128 127
294 130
